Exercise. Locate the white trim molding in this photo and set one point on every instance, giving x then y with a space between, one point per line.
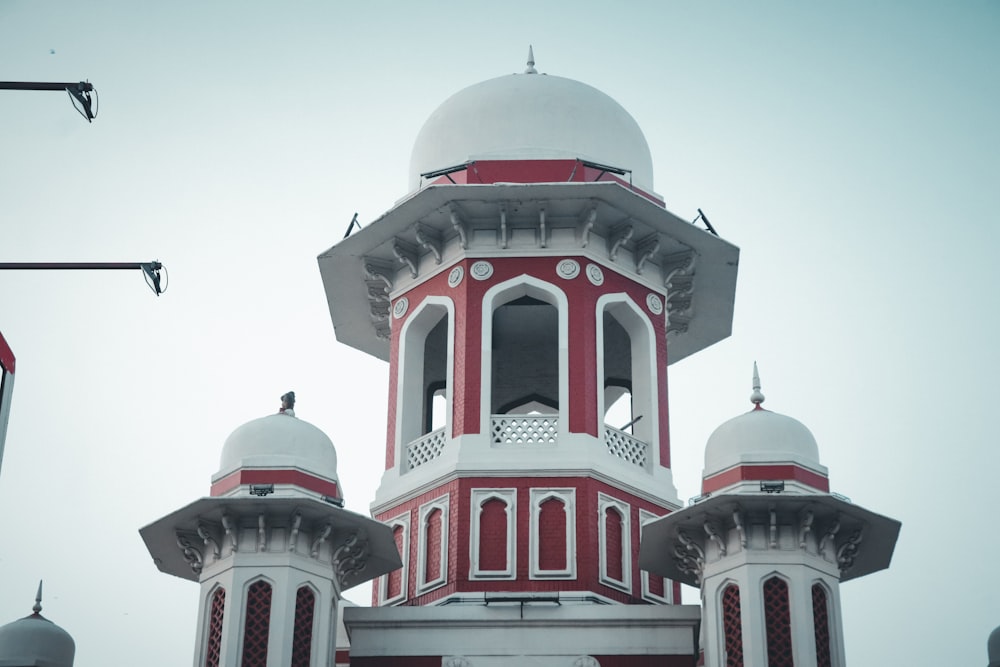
423 584
478 499
624 510
568 499
645 517
402 520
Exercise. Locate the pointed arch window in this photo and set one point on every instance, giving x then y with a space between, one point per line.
216 614
553 533
821 626
305 611
732 626
257 625
432 546
393 585
615 542
778 623
493 526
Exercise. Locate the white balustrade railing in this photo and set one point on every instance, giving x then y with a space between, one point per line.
525 429
425 448
626 447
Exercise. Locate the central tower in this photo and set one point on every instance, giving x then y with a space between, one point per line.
530 281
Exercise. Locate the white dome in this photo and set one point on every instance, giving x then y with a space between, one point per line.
35 640
531 117
993 648
760 436
279 441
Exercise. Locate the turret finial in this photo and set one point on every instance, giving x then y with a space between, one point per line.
531 62
288 404
38 599
756 397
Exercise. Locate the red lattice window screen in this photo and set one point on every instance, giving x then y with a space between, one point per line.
394 580
778 624
493 535
432 556
732 625
215 617
552 535
821 618
305 607
257 625
613 543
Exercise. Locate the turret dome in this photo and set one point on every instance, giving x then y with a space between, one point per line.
279 441
531 116
993 648
35 641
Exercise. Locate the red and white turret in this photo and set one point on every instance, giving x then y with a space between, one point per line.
768 545
272 547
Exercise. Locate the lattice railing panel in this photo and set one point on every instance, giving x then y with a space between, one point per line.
305 606
732 624
424 449
778 624
626 447
216 616
257 625
525 429
821 618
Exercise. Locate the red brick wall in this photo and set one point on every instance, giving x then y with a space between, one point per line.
492 534
552 535
432 556
613 542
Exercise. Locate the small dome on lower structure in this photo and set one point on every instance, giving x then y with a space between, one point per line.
35 641
993 648
279 441
760 436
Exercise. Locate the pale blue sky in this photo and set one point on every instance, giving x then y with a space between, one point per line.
850 149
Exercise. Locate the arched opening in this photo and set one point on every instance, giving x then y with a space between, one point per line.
627 364
732 626
821 626
614 544
425 370
493 532
257 624
552 535
395 582
305 611
525 357
213 641
777 623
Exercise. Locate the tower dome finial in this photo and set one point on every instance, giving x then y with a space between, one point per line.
531 62
37 608
756 397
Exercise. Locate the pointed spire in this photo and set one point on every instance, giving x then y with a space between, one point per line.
531 62
38 599
756 397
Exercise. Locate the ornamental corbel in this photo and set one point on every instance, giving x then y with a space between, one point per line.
829 535
503 225
678 263
459 226
294 536
645 251
620 235
261 533
542 236
738 522
231 531
209 540
406 254
773 528
320 539
848 551
713 534
429 239
805 527
190 552
377 271
587 224
351 557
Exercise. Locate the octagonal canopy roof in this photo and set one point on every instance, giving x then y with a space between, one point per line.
528 117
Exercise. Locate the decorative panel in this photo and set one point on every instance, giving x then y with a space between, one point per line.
214 641
777 623
732 626
305 608
821 621
257 625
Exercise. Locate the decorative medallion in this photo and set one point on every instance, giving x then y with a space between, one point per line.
481 270
595 275
568 269
654 303
399 308
455 277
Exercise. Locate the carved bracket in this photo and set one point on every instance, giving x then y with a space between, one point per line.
503 225
645 251
351 557
191 553
459 225
293 537
231 531
620 235
829 535
261 533
713 534
406 254
805 527
429 239
848 551
209 540
690 557
587 224
738 521
542 235
320 539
